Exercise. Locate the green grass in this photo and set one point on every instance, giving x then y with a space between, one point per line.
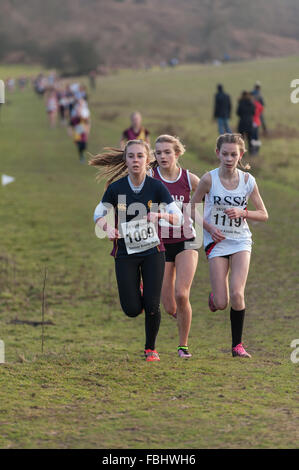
90 388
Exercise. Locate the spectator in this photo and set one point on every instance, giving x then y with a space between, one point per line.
136 131
245 111
222 110
255 142
92 79
256 92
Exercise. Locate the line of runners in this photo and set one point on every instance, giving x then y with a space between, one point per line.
154 241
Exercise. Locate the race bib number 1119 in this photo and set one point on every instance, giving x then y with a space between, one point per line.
231 228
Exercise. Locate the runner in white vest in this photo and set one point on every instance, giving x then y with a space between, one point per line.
227 237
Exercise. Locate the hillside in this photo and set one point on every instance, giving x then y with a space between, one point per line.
139 32
90 388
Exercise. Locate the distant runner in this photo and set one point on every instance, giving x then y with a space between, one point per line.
136 131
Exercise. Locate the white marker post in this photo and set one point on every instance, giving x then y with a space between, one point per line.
5 179
2 352
2 92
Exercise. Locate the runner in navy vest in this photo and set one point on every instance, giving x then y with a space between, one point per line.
227 237
179 242
137 250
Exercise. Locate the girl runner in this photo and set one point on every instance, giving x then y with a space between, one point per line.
227 237
52 107
137 249
136 131
80 124
181 255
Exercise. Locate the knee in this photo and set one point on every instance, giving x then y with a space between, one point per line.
237 299
181 296
132 312
153 311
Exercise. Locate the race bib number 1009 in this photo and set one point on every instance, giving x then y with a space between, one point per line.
139 235
231 228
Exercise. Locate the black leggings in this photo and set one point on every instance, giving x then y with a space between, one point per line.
128 274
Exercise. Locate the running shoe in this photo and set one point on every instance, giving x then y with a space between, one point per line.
211 303
173 315
183 352
151 355
240 351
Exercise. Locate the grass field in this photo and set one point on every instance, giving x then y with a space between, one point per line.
90 388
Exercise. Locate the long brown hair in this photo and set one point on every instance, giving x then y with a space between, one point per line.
113 160
233 139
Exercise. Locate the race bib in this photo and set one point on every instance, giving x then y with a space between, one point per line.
231 228
139 235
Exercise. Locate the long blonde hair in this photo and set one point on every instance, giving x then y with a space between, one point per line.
114 161
233 139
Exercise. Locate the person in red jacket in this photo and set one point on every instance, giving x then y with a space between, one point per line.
255 142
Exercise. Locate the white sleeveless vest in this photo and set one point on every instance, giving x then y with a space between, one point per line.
218 199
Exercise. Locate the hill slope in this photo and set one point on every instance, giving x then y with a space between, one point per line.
128 32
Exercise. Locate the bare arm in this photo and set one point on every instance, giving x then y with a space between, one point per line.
112 232
194 180
260 213
172 214
203 188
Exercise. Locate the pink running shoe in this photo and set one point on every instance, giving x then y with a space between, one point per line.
173 315
240 351
183 352
211 303
151 355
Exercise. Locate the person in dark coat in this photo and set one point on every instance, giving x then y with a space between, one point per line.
245 111
222 110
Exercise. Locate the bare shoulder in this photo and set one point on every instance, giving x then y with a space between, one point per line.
206 179
194 180
205 184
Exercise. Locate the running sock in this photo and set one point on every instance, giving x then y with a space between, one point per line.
152 324
185 348
237 321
